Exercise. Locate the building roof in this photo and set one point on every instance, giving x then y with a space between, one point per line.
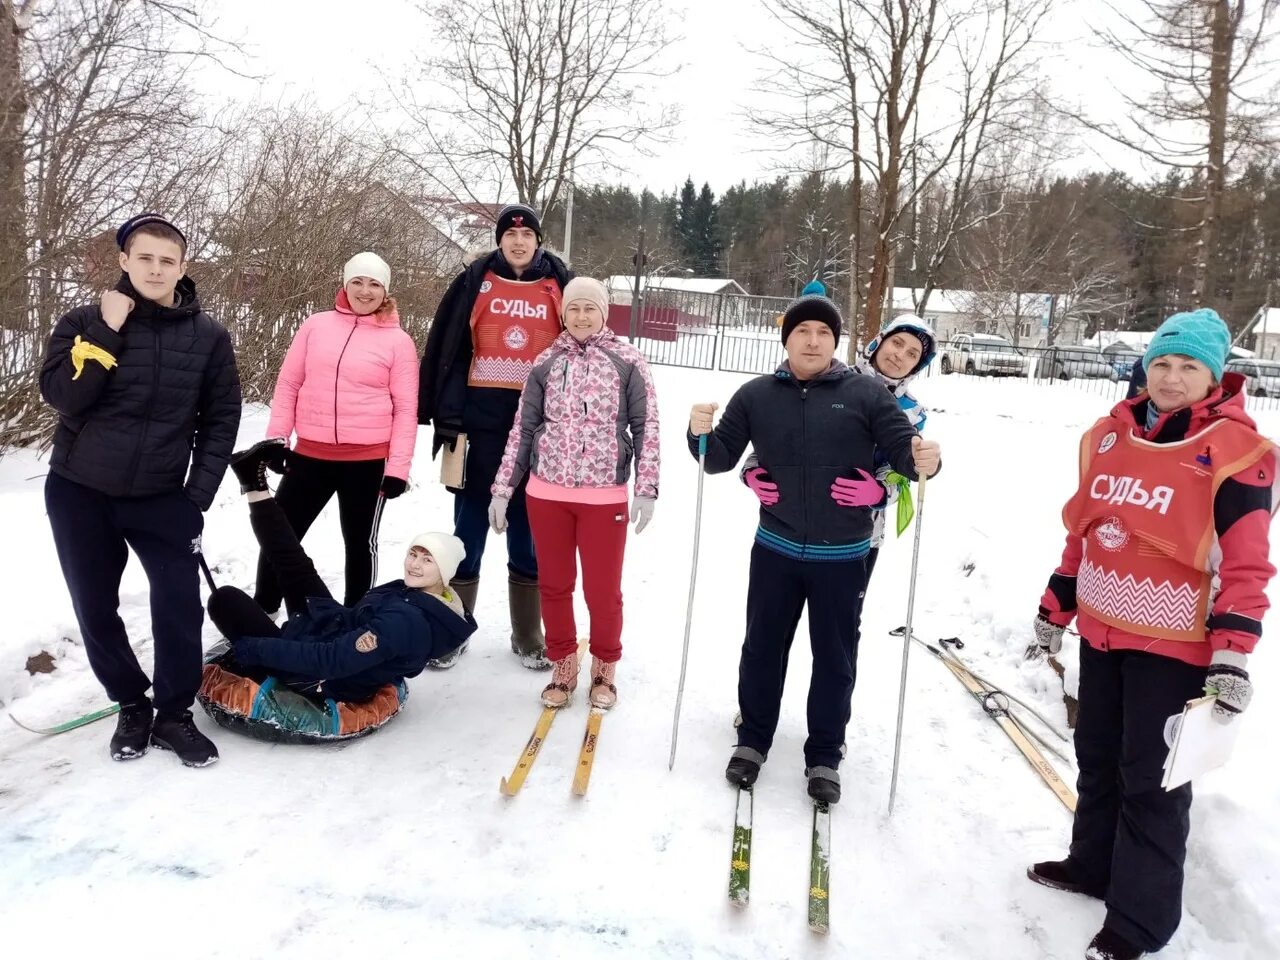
621 283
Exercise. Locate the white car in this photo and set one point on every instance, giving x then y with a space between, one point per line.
1262 377
983 355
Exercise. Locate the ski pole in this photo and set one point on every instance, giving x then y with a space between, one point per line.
906 644
208 574
693 579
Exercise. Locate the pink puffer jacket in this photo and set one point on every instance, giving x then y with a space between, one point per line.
350 379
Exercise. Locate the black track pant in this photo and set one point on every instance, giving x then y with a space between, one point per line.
234 612
93 533
1130 836
307 486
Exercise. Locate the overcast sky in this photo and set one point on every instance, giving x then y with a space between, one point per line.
330 50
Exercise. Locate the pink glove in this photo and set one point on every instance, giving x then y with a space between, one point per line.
766 490
866 492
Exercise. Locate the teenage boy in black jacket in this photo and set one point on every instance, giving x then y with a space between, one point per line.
816 426
148 397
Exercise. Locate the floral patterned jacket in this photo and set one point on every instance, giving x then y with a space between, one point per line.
587 410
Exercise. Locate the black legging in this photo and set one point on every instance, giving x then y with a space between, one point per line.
234 612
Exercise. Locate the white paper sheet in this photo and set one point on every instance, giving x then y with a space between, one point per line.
1201 744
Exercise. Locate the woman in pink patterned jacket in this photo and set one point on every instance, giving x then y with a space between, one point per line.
587 410
348 389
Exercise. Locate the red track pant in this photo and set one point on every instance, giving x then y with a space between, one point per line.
597 531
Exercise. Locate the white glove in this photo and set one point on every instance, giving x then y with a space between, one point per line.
1228 680
642 512
498 514
1048 635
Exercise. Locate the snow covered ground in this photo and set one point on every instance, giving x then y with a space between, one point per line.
401 842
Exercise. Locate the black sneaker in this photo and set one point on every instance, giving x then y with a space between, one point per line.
744 766
179 734
133 730
250 466
824 784
1061 875
1109 945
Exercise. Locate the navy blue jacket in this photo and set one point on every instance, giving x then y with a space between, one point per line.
807 433
328 644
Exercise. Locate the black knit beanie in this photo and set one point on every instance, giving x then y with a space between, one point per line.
812 307
517 215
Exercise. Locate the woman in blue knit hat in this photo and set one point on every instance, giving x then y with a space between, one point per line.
1165 573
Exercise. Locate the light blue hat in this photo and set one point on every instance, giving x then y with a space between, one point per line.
1200 334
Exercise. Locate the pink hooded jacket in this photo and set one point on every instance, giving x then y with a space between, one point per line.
350 379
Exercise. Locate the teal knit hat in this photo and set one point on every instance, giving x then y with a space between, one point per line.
1200 334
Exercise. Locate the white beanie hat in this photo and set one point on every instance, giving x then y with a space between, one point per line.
586 288
446 549
369 265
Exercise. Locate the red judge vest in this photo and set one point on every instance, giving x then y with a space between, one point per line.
511 323
1145 512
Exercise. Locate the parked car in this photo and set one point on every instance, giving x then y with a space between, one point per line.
1262 377
983 355
1075 362
1122 358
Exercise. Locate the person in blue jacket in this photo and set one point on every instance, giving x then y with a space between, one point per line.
326 649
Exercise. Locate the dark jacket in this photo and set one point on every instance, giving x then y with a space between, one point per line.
165 415
444 399
806 434
323 645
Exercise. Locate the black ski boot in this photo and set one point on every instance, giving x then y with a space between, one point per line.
250 466
133 730
179 734
1109 945
824 784
1061 875
744 766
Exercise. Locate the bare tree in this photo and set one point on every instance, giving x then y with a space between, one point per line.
533 89
15 20
863 64
1214 101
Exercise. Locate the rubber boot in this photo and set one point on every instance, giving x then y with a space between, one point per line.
527 641
466 591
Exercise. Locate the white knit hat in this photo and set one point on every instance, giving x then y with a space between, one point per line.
369 265
446 549
586 288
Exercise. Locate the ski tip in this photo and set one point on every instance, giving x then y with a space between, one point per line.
821 929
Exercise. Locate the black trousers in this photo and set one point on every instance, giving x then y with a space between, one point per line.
1129 837
93 533
779 590
471 511
307 487
234 612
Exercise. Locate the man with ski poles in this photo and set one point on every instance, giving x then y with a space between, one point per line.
815 425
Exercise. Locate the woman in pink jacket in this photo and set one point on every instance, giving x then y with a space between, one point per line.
348 390
587 410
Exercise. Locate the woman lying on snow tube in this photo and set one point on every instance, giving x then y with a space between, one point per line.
332 672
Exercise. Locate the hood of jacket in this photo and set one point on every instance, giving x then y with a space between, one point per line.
188 302
905 323
385 316
1224 403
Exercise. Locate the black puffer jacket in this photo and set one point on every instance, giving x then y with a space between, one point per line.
171 402
806 434
443 394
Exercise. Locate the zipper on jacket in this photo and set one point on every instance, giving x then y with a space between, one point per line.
337 367
151 402
804 458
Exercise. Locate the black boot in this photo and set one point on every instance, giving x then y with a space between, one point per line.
250 466
1061 875
179 734
1109 945
744 767
824 784
465 591
133 730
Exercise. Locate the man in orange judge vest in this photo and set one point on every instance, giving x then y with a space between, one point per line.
499 313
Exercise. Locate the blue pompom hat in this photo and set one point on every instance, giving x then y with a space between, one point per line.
812 304
1199 334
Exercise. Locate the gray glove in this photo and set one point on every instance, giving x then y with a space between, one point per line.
498 514
1228 680
1048 635
642 512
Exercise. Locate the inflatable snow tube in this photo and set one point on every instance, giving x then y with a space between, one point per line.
268 710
